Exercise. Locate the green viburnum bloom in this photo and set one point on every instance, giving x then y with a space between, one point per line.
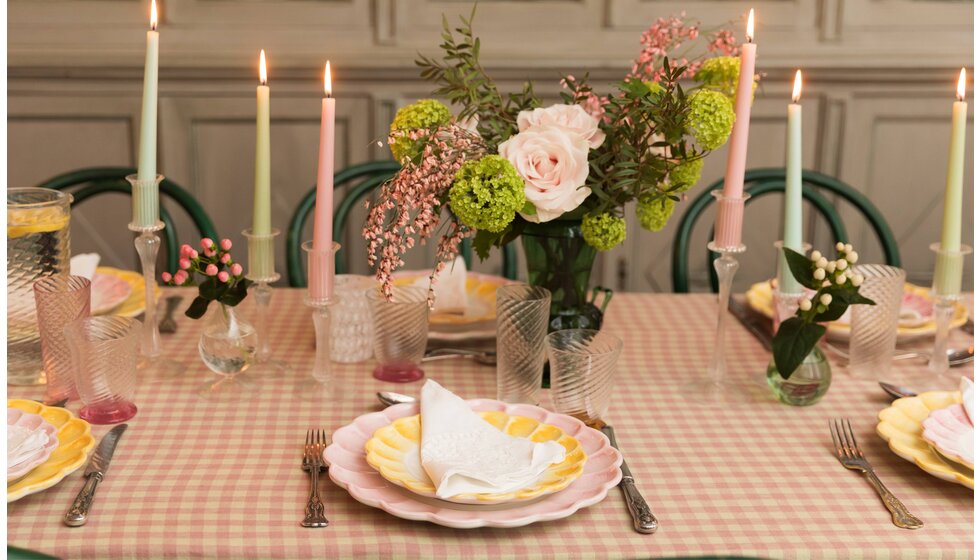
425 113
687 172
654 211
721 74
603 231
487 193
710 118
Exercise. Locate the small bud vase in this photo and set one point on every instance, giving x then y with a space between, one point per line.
228 343
807 385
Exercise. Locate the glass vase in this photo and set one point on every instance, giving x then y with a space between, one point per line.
807 385
228 343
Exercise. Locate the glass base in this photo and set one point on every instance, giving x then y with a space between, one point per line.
710 392
398 372
118 413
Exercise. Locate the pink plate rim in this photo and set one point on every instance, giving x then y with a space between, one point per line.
350 471
108 293
19 417
941 428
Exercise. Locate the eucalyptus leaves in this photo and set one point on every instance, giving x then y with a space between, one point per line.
836 287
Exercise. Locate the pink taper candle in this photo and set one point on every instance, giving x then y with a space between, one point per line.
321 281
728 224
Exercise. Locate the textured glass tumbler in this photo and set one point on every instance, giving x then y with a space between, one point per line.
104 353
401 330
522 324
352 329
875 327
583 366
60 302
37 247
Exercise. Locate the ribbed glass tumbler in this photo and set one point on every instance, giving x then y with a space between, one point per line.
583 368
401 330
875 327
351 328
104 353
60 301
522 324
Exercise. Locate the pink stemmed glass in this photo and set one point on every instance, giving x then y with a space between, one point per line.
401 330
105 351
60 301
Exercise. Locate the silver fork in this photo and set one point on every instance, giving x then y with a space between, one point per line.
851 456
316 441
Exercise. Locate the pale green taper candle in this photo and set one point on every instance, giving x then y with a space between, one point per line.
793 199
146 205
948 275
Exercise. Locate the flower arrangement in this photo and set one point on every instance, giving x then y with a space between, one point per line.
835 287
221 278
504 160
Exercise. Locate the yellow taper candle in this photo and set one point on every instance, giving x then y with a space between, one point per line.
948 274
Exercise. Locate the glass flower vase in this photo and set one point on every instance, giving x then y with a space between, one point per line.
807 385
228 343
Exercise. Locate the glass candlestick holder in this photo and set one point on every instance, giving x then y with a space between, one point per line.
320 262
262 271
787 292
946 287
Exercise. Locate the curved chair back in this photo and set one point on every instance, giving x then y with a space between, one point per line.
760 182
88 183
371 175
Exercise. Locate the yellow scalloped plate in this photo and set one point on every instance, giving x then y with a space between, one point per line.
481 290
901 426
389 449
74 442
135 303
759 298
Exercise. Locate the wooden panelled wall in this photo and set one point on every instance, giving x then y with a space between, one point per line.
878 89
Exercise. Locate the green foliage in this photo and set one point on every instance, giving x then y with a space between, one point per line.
213 290
721 74
487 193
711 118
794 340
603 231
654 211
424 113
686 174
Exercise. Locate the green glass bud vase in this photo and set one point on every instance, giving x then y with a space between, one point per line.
807 385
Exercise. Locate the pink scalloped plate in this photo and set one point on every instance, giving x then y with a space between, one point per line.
16 417
950 432
108 293
349 470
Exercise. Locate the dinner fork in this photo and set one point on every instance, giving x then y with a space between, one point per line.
316 441
851 456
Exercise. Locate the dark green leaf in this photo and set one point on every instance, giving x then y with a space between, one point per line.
802 268
793 342
197 308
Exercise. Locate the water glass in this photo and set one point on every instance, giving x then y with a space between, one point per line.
352 330
104 353
522 324
583 366
875 327
60 301
401 330
37 247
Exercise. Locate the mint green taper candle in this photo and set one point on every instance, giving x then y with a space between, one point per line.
948 275
793 199
146 205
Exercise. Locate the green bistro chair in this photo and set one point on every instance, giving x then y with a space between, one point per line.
760 182
88 183
371 175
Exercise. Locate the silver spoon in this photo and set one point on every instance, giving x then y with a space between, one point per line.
956 357
389 398
896 391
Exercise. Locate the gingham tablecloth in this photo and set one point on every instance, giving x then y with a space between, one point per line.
198 478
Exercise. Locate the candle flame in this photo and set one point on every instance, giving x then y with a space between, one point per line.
153 15
263 73
797 86
750 25
327 83
961 85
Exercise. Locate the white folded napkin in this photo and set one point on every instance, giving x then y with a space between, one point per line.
966 387
84 264
23 443
449 288
462 453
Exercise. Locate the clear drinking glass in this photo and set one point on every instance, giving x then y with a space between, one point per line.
352 332
875 327
401 330
522 324
60 302
104 351
37 247
583 365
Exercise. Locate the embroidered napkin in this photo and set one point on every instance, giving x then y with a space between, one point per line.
23 443
966 387
449 287
462 453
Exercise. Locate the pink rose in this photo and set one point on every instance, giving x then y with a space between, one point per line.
572 118
211 270
226 244
554 165
222 276
236 269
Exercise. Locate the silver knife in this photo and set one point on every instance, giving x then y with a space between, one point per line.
77 514
643 519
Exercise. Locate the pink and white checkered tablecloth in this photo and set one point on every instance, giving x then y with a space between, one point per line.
201 478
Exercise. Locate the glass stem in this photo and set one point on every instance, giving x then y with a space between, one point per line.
148 245
263 296
322 365
725 266
942 310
